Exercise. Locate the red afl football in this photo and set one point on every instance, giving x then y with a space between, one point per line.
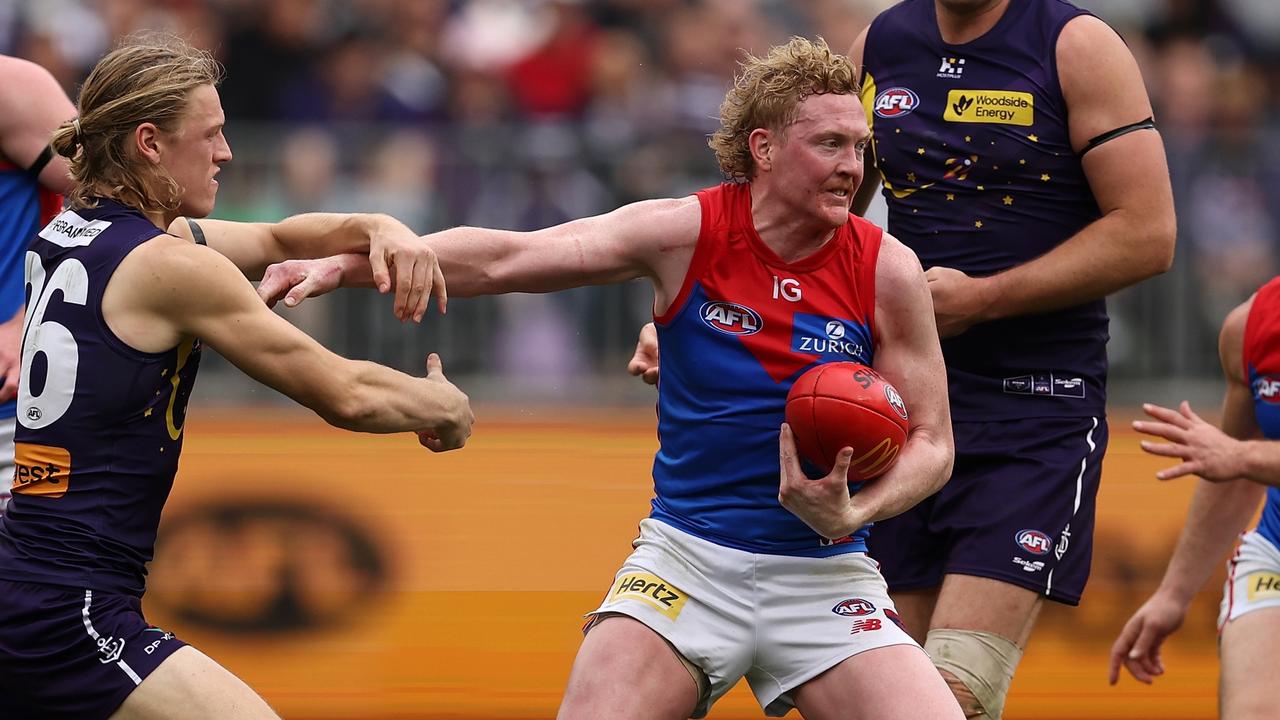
847 404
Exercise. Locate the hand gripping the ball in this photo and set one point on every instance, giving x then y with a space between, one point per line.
823 504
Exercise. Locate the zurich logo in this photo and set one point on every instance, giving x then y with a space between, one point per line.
835 329
1034 542
731 318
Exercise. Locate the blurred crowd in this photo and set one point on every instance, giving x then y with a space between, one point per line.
524 113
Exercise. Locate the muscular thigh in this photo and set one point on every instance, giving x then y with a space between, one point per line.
1249 672
190 686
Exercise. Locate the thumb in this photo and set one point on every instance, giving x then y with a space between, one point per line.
841 469
434 365
381 275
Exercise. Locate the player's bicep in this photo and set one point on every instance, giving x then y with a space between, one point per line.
907 349
1100 81
249 246
213 301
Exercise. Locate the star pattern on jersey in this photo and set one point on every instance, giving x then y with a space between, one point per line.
1033 137
919 151
1007 200
1044 177
977 224
911 177
147 412
951 196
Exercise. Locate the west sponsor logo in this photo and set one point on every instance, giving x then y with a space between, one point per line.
896 102
70 230
1263 586
41 470
731 318
1033 541
1267 389
854 607
651 590
1001 107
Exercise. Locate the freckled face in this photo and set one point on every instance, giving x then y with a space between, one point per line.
817 161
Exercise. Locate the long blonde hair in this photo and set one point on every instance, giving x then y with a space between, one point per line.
146 79
765 95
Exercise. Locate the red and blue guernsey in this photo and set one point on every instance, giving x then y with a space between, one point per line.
99 423
25 206
1262 368
743 327
979 174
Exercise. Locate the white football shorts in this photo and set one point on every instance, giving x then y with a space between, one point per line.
1253 578
779 621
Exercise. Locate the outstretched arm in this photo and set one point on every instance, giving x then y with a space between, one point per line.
168 289
396 258
652 238
1129 177
909 356
1219 511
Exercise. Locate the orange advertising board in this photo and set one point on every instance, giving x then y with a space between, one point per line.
359 576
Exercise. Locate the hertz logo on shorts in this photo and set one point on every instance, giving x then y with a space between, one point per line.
651 589
41 470
1002 107
1263 586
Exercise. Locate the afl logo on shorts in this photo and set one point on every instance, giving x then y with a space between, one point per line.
853 607
896 102
1267 389
731 318
1034 542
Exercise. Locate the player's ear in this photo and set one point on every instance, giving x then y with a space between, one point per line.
146 141
760 142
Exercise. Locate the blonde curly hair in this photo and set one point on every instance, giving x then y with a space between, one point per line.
146 79
767 91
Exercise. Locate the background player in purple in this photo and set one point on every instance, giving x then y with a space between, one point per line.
32 105
738 571
1020 162
117 314
1239 467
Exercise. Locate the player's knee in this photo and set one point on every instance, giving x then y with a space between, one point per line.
978 667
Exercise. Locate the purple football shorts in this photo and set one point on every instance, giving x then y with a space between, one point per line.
1019 508
73 654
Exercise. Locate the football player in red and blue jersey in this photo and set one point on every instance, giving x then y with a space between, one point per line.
32 178
1239 468
745 567
1020 161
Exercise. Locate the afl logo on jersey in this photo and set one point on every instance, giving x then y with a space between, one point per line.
1267 389
896 102
731 318
1033 541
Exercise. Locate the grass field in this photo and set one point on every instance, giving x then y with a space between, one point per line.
452 586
